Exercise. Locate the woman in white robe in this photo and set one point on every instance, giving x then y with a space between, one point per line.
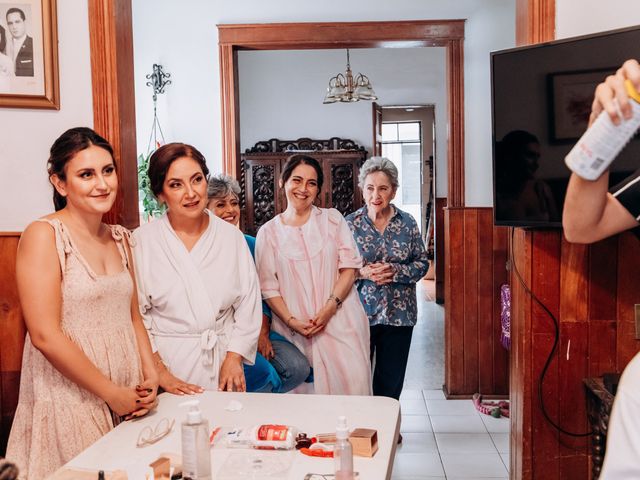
197 285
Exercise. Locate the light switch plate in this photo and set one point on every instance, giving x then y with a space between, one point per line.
636 309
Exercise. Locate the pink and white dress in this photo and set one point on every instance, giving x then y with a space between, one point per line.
301 264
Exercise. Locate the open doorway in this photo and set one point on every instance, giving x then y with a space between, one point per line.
408 140
384 36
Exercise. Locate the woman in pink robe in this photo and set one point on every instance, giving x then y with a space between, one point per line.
307 261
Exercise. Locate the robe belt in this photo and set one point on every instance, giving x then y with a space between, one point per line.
210 346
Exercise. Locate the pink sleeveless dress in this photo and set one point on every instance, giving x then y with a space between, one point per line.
56 419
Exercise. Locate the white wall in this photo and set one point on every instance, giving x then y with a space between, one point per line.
581 17
27 134
183 37
281 94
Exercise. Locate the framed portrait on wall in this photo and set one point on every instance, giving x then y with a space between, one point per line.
571 98
29 54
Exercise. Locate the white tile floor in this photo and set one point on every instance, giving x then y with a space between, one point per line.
449 439
443 439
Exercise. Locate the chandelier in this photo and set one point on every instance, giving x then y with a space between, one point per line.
346 88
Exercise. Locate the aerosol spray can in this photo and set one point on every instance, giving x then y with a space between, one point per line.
604 140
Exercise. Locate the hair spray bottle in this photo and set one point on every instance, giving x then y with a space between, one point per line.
604 140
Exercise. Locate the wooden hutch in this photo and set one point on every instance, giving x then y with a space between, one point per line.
262 199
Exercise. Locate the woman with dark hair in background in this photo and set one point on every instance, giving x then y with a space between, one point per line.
87 359
197 284
307 260
289 365
520 194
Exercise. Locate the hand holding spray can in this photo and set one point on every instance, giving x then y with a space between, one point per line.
604 140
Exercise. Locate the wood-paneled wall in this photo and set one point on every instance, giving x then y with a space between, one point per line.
12 332
475 268
592 291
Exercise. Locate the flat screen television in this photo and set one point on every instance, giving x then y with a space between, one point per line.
541 101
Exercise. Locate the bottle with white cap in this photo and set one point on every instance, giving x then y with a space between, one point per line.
196 456
343 452
604 140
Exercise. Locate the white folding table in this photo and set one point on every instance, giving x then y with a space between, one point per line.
309 413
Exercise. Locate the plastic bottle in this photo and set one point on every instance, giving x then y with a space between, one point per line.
196 457
273 437
604 140
343 452
262 437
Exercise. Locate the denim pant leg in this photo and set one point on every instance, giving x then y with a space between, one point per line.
290 363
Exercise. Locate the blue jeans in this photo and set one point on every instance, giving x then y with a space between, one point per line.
288 369
290 363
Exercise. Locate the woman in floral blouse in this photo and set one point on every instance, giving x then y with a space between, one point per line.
394 261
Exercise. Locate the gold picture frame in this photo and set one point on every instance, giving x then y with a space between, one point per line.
29 54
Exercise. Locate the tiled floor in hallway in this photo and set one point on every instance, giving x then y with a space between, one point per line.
443 439
449 439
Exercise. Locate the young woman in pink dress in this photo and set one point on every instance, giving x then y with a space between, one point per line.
307 260
87 357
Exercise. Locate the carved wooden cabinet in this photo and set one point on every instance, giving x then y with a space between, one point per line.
262 199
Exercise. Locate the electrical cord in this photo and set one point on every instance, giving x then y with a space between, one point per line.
553 349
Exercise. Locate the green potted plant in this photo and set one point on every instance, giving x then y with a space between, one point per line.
150 206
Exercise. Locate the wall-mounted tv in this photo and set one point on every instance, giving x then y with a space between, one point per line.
541 101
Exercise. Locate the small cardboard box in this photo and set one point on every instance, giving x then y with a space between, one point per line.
67 473
161 468
364 442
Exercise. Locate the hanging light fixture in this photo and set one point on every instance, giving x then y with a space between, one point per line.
346 88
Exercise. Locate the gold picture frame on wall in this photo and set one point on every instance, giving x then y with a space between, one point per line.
29 54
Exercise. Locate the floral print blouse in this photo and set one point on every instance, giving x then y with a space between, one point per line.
400 245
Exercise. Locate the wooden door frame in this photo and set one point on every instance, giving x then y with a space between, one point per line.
376 114
301 36
114 113
110 30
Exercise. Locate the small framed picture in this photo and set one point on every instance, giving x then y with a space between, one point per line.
572 95
29 54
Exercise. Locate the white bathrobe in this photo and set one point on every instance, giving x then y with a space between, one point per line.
200 304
